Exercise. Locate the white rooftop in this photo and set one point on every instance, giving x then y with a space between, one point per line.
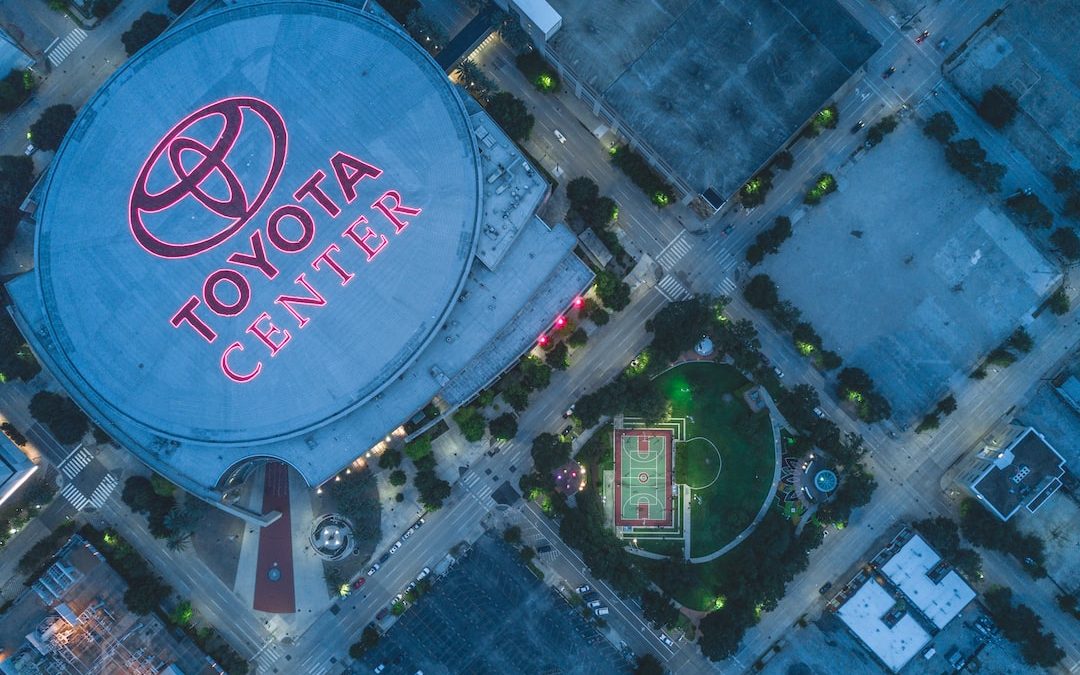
863 614
941 601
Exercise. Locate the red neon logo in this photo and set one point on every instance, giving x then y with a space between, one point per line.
235 207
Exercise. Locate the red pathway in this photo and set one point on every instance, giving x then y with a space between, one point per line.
275 546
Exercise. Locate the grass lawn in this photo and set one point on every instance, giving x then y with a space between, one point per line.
709 393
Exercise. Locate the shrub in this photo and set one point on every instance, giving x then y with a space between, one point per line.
471 423
1030 211
1059 302
824 185
997 107
1066 242
538 71
143 31
643 175
512 115
941 127
397 477
63 418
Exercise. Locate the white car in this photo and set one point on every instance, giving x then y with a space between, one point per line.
820 413
408 533
395 547
584 589
558 135
594 604
423 574
373 570
666 640
381 667
30 149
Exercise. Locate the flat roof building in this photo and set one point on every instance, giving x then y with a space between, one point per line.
15 468
1022 470
880 622
707 90
257 242
929 582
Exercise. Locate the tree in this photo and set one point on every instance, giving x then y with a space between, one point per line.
723 630
612 291
755 190
581 192
146 595
512 115
783 160
16 359
103 8
433 490
967 157
512 33
761 292
941 127
854 380
16 179
397 478
182 520
659 609
549 452
143 31
390 459
471 423
535 374
947 405
416 449
512 534
1059 302
60 415
425 31
504 427
798 403
558 356
578 338
1021 340
1030 211
647 664
179 6
1066 242
877 132
1020 624
49 129
400 9
928 423
14 89
677 327
517 396
997 107
178 542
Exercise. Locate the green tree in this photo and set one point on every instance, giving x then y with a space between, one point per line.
677 327
783 160
400 9
535 374
179 6
968 158
877 132
947 405
471 423
504 427
941 127
612 291
103 8
390 459
558 356
51 126
517 396
1021 340
16 359
1066 242
549 452
930 422
433 490
1059 302
647 664
16 179
13 90
63 418
659 609
397 478
998 107
1030 211
512 534
581 192
182 614
1020 624
578 338
512 115
723 630
146 595
416 449
143 31
761 292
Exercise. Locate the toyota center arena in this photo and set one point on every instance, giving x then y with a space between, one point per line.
277 233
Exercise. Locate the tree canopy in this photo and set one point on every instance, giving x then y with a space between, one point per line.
60 414
49 129
997 106
143 31
678 327
613 291
504 427
471 423
511 114
941 127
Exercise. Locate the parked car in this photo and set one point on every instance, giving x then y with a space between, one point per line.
423 574
590 596
779 373
419 523
382 613
543 549
666 640
359 582
858 125
395 547
922 37
594 604
569 411
820 414
383 558
374 569
825 589
568 430
584 589
30 149
729 229
888 73
379 668
558 135
408 533
601 611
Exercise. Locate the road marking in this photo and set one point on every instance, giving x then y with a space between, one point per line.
57 54
103 490
726 287
76 463
671 289
674 251
74 497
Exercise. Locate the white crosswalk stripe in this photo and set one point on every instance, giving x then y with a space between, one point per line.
671 289
74 497
62 50
470 479
76 463
267 657
480 490
727 261
103 490
674 251
726 287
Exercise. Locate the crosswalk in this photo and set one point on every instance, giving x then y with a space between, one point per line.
674 251
671 289
63 49
267 657
480 490
103 490
726 287
74 496
727 261
76 462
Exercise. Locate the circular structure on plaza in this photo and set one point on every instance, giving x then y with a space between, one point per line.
257 223
825 481
331 537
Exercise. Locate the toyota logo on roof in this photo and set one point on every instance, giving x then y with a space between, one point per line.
199 171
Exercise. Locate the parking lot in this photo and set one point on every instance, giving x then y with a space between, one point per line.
489 614
913 282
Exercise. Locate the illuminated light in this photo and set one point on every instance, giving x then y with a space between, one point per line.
579 302
560 322
337 479
542 340
318 491
349 470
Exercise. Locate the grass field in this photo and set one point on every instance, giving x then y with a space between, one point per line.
707 395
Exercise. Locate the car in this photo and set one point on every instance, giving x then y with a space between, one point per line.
820 414
582 590
543 549
825 589
395 547
888 73
729 229
383 558
382 613
419 523
423 574
359 582
374 569
399 597
569 411
779 373
922 37
666 640
594 604
568 430
381 667
30 149
412 585
408 533
601 611
558 135
858 125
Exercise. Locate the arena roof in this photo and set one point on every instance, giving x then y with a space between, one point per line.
257 223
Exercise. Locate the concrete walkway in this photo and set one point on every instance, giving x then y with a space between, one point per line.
776 419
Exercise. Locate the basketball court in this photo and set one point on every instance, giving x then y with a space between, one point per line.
643 470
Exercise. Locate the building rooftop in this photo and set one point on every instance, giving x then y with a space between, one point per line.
933 586
713 86
895 642
1025 472
15 468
